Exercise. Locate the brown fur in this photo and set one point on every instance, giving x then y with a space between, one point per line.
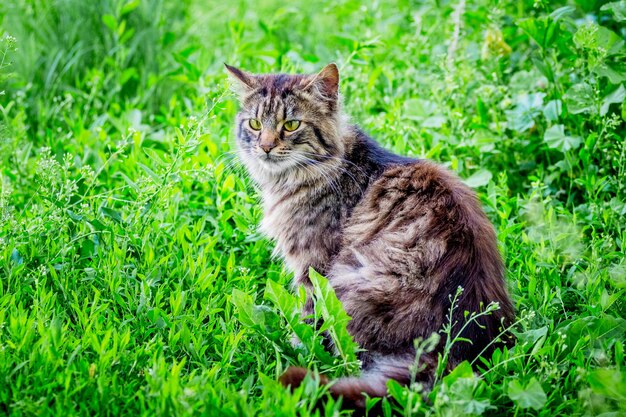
395 236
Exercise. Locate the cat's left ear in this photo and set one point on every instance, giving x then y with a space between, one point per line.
326 82
241 81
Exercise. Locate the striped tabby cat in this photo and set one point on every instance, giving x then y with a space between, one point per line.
394 235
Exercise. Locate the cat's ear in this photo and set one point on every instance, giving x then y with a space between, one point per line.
240 81
325 82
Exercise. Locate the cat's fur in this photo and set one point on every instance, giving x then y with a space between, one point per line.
395 236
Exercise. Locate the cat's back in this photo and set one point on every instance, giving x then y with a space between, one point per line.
420 197
417 234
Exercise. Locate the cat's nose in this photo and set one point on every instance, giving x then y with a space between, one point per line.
267 146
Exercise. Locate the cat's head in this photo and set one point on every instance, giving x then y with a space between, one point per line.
288 125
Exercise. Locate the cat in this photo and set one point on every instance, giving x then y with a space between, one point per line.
395 236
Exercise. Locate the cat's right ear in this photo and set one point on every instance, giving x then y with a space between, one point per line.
326 82
240 81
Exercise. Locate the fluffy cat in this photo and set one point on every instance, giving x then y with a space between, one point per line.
394 235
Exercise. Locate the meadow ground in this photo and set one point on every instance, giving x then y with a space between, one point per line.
133 280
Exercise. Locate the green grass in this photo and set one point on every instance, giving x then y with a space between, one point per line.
133 280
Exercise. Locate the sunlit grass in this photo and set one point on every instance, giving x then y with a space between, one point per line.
133 279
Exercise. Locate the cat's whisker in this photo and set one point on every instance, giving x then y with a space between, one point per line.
311 169
234 166
319 169
330 157
358 168
225 158
336 168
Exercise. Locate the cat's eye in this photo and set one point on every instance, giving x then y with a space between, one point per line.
291 125
255 124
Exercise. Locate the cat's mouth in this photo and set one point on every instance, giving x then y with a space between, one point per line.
271 159
272 162
276 164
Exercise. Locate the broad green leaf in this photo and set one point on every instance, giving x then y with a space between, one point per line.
617 8
282 299
16 257
593 36
544 67
155 177
605 50
74 216
403 397
245 309
289 308
129 6
615 72
527 107
580 98
479 178
397 392
425 112
532 336
110 22
335 319
538 29
89 246
529 396
462 393
598 330
434 121
562 11
262 319
556 138
97 225
616 96
523 81
127 74
156 157
462 370
610 383
108 212
552 110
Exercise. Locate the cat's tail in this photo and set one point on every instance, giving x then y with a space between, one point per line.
372 383
353 391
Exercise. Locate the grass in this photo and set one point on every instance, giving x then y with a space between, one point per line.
133 280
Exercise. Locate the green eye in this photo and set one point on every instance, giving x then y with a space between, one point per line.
291 125
255 124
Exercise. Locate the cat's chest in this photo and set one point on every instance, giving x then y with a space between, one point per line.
305 226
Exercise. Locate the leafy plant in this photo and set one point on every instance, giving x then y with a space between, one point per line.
134 281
